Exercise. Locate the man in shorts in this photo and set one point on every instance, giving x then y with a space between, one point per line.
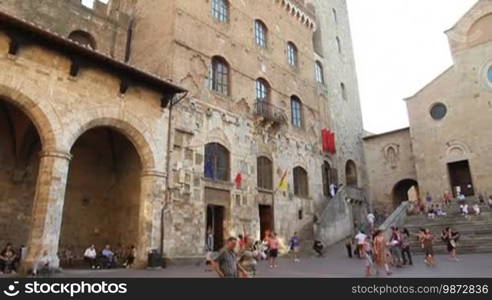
225 263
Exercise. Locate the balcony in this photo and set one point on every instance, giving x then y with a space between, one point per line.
269 113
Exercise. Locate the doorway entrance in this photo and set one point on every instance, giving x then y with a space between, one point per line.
403 190
460 178
266 220
215 224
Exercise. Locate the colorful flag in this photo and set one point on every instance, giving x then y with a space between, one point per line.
284 183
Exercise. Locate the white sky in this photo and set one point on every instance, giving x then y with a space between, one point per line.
399 47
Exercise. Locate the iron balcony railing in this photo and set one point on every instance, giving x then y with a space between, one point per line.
269 112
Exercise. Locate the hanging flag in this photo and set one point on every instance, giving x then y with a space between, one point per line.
284 183
238 180
209 169
325 138
332 147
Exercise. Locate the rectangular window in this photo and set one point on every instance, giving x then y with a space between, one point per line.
220 10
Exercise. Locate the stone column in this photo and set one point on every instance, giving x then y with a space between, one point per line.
48 208
152 193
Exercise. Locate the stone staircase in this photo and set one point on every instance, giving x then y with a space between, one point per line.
476 231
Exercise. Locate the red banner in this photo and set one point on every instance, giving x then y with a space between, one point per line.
328 139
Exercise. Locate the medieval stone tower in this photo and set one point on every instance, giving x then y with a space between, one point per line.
163 120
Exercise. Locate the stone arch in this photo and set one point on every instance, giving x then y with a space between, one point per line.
36 114
456 150
136 136
217 135
480 31
401 189
83 38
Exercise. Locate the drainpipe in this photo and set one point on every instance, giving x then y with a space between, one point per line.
167 197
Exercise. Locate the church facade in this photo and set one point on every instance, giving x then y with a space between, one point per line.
447 146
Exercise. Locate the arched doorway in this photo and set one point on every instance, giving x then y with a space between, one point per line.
102 199
20 145
402 191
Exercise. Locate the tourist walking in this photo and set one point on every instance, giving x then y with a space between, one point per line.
405 247
130 258
395 247
295 245
246 259
348 245
318 247
379 252
370 220
451 238
368 253
360 239
225 263
273 245
427 242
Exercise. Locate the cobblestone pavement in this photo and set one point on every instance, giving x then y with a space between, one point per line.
334 264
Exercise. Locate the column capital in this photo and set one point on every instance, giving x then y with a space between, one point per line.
56 153
153 173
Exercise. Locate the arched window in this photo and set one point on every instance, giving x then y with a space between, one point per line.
220 10
318 41
351 174
83 38
264 167
219 79
326 177
489 74
296 109
339 45
300 182
320 78
217 162
292 54
261 34
262 90
335 17
343 91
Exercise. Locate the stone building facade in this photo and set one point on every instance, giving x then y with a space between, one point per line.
450 121
242 151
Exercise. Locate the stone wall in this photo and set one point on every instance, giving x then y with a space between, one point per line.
62 108
107 25
390 160
19 147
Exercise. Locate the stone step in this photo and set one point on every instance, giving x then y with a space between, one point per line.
475 231
461 249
